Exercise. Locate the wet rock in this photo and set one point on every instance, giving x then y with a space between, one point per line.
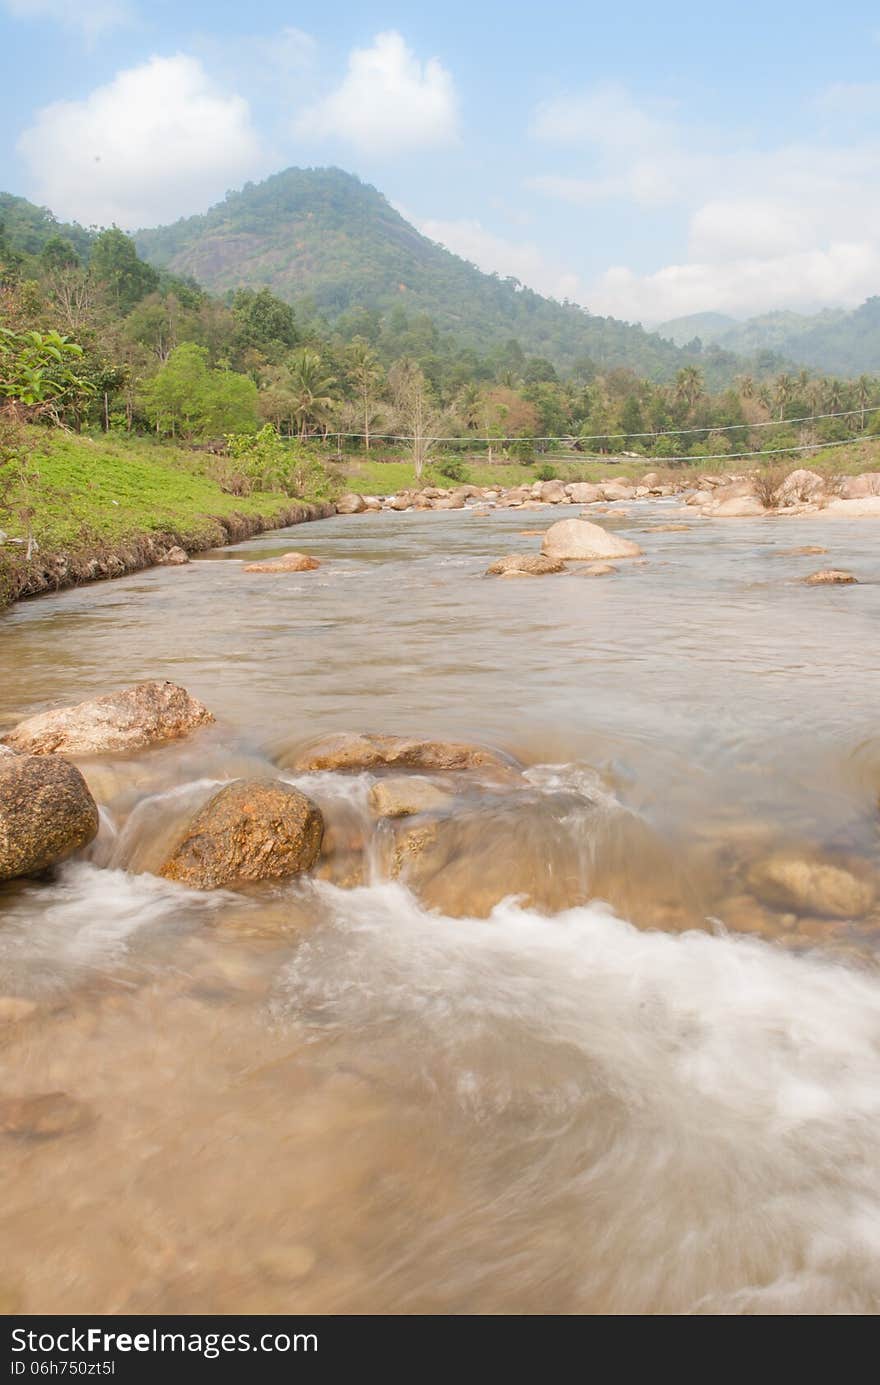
286 1264
830 577
811 885
351 504
405 795
288 562
668 529
524 565
175 557
349 751
581 539
43 1117
448 502
141 715
595 569
553 492
46 813
250 830
345 869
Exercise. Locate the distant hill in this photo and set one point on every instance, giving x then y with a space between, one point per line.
324 236
836 341
28 228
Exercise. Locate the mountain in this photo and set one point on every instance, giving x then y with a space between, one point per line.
835 341
323 236
709 327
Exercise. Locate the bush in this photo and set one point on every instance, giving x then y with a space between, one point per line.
546 473
453 469
265 461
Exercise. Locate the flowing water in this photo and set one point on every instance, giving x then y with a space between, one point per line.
578 1064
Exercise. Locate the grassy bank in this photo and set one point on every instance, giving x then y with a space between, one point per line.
376 477
99 507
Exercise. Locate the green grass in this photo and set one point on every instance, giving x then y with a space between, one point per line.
384 477
86 490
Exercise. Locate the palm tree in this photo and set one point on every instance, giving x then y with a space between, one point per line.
689 386
783 391
365 372
746 385
312 389
863 395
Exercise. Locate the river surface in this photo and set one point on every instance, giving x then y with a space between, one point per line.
587 1068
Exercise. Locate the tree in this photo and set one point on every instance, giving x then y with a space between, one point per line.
689 386
263 323
365 373
312 388
782 391
185 397
40 370
415 405
114 265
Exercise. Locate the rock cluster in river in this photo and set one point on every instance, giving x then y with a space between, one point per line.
287 562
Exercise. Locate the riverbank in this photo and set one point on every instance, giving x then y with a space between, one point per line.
103 508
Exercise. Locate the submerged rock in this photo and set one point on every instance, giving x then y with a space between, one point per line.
524 565
830 577
250 830
43 1117
288 562
580 539
46 813
406 795
811 885
141 715
349 751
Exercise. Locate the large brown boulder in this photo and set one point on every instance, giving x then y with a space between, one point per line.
524 565
448 502
859 487
141 715
830 577
349 751
351 504
580 539
552 491
46 813
251 830
405 795
288 562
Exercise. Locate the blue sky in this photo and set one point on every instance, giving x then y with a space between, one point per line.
646 161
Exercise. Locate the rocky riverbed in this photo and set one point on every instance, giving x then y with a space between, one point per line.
392 937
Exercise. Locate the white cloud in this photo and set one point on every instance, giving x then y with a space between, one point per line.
520 259
851 98
795 226
91 17
157 142
388 101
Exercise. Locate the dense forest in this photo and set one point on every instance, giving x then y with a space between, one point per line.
94 337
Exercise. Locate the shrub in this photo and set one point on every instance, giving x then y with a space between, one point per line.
546 472
453 468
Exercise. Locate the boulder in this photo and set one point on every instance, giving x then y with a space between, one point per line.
351 504
865 508
859 487
830 576
552 492
141 715
800 485
582 493
448 502
596 569
618 490
580 539
405 795
524 565
350 751
400 502
372 502
736 507
46 813
250 830
811 885
288 562
650 480
175 557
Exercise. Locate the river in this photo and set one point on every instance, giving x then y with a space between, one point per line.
627 1088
